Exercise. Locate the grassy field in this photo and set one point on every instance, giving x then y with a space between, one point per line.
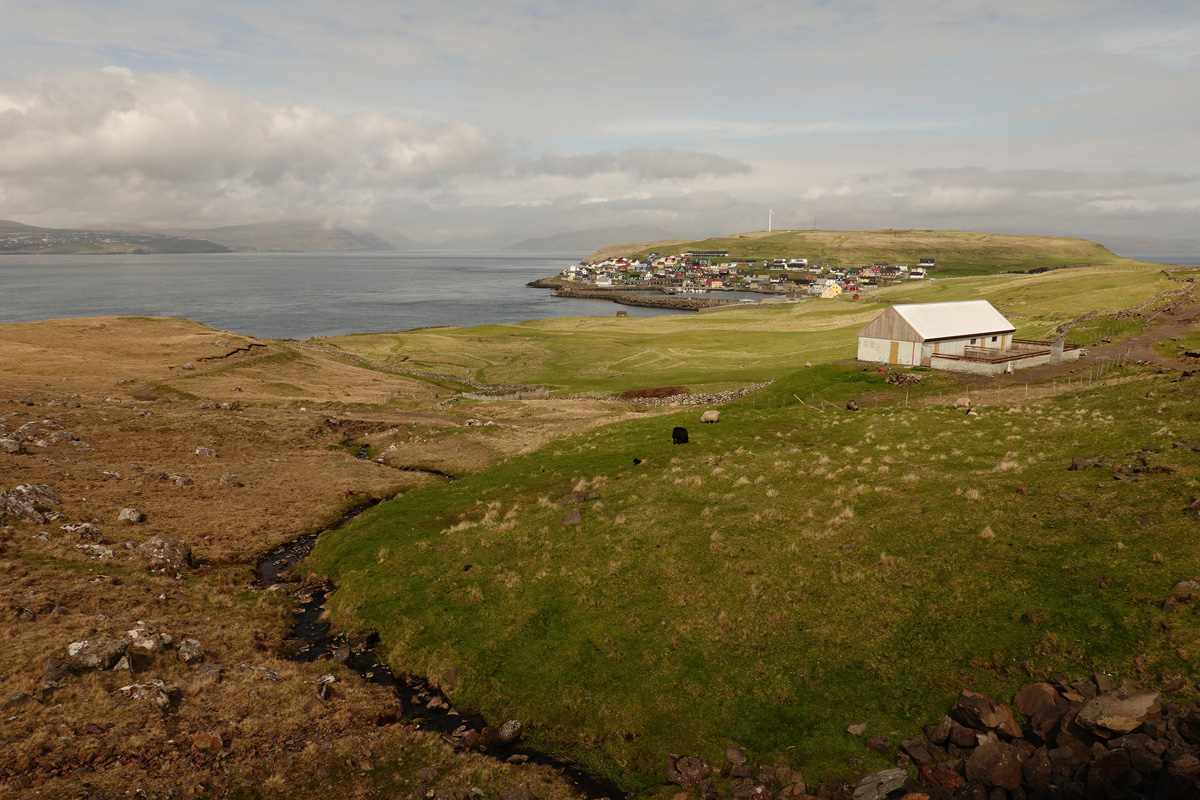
790 571
721 350
955 252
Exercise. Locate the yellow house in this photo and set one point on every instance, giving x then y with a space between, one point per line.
831 291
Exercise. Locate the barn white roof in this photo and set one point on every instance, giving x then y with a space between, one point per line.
954 320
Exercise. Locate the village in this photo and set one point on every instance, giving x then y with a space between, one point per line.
703 271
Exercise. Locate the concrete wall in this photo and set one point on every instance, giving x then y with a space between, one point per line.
879 351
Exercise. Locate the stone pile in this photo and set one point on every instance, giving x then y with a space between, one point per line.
700 399
1085 738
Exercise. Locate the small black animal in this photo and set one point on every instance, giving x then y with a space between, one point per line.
679 436
637 461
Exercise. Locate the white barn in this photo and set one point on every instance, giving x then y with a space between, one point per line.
964 336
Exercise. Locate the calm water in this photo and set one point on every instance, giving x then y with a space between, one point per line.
1184 260
280 295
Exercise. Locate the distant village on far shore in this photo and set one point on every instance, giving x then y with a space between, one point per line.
708 270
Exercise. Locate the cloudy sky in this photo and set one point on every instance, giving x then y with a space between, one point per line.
500 120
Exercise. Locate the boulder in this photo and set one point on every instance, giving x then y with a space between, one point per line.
131 516
260 672
230 480
573 517
995 764
206 452
687 771
12 446
96 653
879 785
939 731
163 552
94 550
735 755
879 744
190 651
918 750
710 416
1119 711
1037 769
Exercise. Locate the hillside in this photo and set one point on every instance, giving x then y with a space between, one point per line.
955 252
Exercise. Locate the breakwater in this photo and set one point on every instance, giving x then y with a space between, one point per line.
628 298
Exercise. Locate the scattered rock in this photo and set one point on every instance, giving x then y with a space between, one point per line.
687 771
231 480
147 639
163 552
995 764
16 701
427 774
261 672
94 550
84 530
190 651
858 729
206 452
207 675
96 653
28 502
509 732
980 711
1119 711
153 690
207 742
735 755
879 785
879 744
710 416
131 515
1035 697
573 517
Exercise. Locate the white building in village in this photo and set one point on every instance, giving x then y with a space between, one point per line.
964 336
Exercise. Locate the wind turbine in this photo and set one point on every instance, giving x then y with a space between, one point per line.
770 220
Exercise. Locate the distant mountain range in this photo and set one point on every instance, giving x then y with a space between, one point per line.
17 238
298 235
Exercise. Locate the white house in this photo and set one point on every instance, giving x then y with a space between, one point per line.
963 336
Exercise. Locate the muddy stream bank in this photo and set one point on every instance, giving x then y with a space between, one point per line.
424 704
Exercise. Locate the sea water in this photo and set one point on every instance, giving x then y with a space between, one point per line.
297 295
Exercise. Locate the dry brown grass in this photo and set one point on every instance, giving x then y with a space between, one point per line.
283 445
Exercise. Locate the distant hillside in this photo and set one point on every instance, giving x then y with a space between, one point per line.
962 252
303 235
20 239
593 239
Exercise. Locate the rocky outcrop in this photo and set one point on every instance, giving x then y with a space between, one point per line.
28 503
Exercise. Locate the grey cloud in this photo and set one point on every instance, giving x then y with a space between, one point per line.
1049 179
640 162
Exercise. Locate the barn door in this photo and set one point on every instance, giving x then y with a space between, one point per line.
894 354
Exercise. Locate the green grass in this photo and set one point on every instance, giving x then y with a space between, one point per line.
788 572
722 350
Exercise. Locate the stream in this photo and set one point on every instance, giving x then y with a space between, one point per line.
424 705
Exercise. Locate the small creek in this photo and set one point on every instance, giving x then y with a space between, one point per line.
424 705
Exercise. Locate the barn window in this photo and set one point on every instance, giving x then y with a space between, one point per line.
972 341
993 338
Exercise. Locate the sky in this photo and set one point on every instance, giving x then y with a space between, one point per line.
493 121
